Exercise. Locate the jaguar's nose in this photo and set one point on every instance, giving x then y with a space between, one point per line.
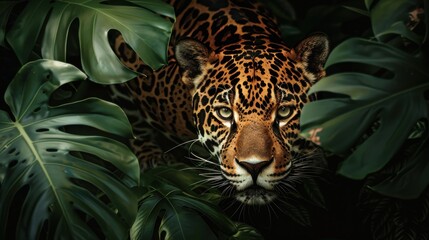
254 167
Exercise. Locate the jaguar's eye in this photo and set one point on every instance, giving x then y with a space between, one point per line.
284 112
225 113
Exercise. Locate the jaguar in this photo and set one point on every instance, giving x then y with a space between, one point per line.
232 83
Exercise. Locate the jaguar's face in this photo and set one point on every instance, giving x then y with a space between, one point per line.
249 122
246 107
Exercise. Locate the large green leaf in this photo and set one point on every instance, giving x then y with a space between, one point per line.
183 178
398 102
142 23
170 209
401 29
5 9
25 31
385 13
180 218
41 164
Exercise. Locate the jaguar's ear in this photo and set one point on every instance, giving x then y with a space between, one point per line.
313 52
192 57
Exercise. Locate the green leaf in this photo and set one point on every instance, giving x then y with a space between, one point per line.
185 179
172 209
411 180
41 164
5 10
399 28
25 31
181 216
338 123
142 24
385 13
245 232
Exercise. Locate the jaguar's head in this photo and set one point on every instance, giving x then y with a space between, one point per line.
247 101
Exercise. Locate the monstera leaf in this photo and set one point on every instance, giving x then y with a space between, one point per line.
395 101
143 24
386 14
47 188
171 209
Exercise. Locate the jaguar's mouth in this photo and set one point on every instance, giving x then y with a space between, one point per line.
255 195
258 194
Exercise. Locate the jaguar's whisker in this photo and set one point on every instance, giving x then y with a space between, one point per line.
192 141
198 158
203 169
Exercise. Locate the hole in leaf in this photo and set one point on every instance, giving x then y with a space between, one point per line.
37 109
87 185
89 220
52 150
112 35
73 45
12 163
42 130
361 68
92 189
158 224
163 235
15 209
11 151
62 94
96 160
375 125
326 95
86 131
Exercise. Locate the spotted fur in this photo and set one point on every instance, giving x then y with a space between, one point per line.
231 81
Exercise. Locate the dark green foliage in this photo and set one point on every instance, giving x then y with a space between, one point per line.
384 99
397 102
372 113
42 166
172 207
134 19
392 218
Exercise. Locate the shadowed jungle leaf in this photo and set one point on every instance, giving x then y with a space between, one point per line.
385 13
5 9
142 24
397 102
171 209
411 179
41 164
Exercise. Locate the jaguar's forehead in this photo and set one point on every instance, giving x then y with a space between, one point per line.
256 80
